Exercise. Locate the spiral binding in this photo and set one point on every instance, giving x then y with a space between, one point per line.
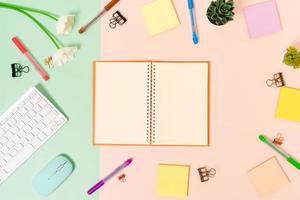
153 92
148 104
151 79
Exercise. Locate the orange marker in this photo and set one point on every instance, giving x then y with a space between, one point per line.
106 8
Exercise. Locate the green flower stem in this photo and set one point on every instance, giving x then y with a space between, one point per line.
48 14
48 33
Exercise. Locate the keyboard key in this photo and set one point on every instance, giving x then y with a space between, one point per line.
38 117
28 105
26 119
29 136
21 134
35 142
47 130
3 140
4 149
12 121
31 113
12 152
9 116
8 135
2 174
37 108
20 124
50 117
46 110
14 130
36 98
22 111
59 120
27 128
7 157
53 126
41 126
42 103
18 116
3 121
10 144
2 162
42 136
24 141
1 132
15 139
31 94
18 147
27 98
32 123
21 104
6 126
35 131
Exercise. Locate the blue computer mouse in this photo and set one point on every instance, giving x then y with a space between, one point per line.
53 175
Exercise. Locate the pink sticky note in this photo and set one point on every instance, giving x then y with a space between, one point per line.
262 19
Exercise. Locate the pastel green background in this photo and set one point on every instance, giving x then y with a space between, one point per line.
69 87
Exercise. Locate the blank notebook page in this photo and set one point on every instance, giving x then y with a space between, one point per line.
181 103
120 103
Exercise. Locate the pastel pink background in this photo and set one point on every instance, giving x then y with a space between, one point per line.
242 106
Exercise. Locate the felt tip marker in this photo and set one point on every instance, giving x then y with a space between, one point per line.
288 158
36 65
103 181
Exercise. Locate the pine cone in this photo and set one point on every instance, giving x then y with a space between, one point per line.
220 12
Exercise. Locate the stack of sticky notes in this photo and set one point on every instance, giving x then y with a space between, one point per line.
172 180
160 16
288 106
262 19
268 177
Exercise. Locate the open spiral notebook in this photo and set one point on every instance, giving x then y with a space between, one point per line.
158 103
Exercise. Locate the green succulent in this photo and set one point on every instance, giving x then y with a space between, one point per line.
220 12
292 57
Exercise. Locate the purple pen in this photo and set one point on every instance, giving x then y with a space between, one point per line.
103 181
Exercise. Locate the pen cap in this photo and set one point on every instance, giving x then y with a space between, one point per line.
110 4
19 45
191 4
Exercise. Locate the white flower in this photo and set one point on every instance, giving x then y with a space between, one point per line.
61 57
65 24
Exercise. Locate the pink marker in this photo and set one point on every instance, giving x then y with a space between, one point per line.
23 49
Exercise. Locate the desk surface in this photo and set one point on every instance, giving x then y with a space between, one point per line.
69 86
242 106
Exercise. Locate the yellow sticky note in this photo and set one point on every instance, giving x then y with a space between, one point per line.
268 177
160 16
288 106
172 180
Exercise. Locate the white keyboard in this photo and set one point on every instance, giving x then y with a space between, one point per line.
24 127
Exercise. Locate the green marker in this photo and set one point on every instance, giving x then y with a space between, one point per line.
285 155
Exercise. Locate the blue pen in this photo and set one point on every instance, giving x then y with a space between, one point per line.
192 14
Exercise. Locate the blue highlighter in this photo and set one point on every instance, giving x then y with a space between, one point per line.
193 21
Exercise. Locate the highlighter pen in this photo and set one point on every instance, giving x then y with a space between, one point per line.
24 51
103 181
193 21
289 158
